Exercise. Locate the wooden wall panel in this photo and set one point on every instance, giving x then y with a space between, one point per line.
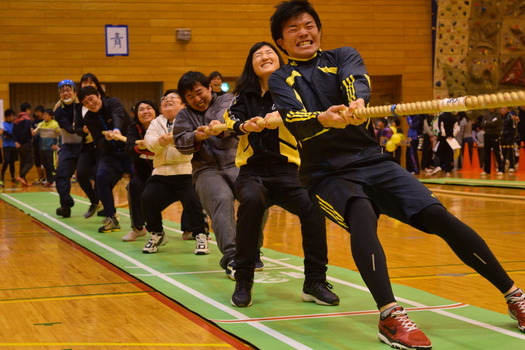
45 41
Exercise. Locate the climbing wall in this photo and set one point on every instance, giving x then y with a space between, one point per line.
479 47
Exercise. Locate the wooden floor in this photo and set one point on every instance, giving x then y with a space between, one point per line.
46 277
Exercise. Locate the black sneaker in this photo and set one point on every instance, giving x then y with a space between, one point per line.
242 295
320 293
93 208
64 211
259 265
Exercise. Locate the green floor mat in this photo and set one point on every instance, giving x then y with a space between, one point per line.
278 318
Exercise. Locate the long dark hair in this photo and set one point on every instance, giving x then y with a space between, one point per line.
248 78
93 78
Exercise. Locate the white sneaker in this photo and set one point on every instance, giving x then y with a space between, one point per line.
201 247
156 239
134 234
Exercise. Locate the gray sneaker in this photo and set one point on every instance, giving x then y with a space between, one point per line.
110 224
201 247
156 239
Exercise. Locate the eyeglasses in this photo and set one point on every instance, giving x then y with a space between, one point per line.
169 97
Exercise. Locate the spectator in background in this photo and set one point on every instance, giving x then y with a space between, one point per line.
415 131
38 116
216 81
23 141
509 134
492 123
8 145
48 131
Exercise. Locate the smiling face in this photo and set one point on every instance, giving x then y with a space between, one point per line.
92 102
199 97
67 94
170 105
301 37
145 113
265 61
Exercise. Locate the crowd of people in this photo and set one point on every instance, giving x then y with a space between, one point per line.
208 148
437 143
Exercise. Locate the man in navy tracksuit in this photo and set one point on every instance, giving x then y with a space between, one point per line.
106 117
344 170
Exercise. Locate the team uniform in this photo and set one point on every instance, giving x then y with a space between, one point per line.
350 158
268 162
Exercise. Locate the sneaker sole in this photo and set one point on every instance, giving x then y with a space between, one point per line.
202 252
250 304
308 298
511 314
163 243
108 231
397 345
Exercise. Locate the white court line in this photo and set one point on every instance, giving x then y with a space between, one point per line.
298 268
281 337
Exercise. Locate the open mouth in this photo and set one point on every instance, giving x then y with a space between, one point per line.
305 43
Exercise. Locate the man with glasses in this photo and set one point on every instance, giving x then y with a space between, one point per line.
70 147
106 119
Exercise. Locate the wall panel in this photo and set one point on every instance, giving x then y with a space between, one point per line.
44 41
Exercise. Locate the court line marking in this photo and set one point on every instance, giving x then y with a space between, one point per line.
273 333
241 316
338 314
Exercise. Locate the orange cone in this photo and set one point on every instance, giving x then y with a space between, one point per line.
475 158
466 163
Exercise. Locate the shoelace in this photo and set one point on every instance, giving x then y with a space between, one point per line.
518 300
406 322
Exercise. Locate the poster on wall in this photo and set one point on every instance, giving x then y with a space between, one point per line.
117 40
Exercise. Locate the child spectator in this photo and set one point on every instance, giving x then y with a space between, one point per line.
48 131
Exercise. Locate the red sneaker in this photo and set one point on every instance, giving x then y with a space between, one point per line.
516 305
398 331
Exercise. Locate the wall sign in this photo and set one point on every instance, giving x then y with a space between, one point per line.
117 40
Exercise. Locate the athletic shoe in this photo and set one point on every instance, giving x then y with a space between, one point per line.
230 270
110 224
23 181
93 208
436 170
39 182
134 234
484 173
499 173
516 304
399 331
48 184
512 170
259 265
242 295
188 236
201 246
320 293
64 211
156 239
